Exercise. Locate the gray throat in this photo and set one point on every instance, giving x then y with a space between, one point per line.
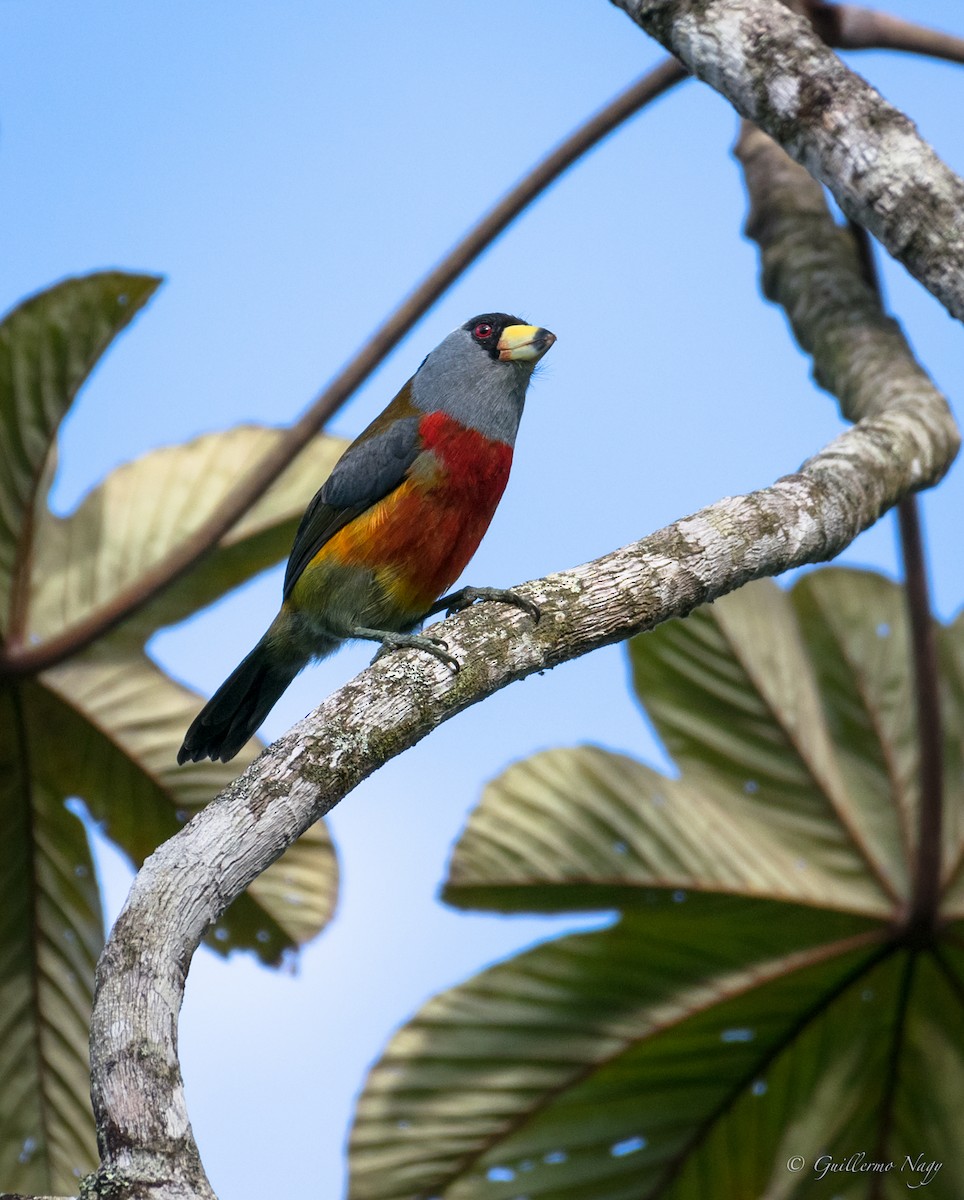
463 381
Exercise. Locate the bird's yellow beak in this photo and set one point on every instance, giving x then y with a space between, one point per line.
524 343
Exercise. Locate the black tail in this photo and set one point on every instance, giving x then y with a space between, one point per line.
238 707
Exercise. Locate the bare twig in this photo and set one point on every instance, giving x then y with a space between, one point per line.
849 27
926 871
28 659
924 905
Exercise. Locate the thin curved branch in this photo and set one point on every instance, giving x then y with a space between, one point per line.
28 659
849 27
926 875
925 898
774 69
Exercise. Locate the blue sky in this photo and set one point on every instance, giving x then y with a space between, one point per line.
293 169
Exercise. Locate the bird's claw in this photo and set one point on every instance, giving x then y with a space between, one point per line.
418 641
467 596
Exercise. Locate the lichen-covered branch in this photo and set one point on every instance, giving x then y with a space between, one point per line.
902 443
773 67
814 269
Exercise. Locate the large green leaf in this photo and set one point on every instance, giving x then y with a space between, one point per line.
757 1001
119 720
48 346
51 933
951 651
147 508
867 688
105 725
777 796
102 727
107 728
584 828
732 692
590 1066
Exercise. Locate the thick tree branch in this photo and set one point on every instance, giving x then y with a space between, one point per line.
772 66
814 269
27 659
823 275
905 440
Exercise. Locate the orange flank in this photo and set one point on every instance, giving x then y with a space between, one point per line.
419 539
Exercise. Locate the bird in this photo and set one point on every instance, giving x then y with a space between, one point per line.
393 526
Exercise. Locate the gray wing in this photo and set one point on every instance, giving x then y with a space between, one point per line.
372 467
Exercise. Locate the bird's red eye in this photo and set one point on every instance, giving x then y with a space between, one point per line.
482 331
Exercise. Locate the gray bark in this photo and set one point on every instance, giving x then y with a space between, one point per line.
773 68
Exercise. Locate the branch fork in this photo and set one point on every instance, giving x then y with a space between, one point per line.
904 439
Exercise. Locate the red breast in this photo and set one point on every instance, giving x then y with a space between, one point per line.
420 538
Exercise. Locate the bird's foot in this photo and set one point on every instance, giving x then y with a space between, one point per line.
467 596
415 641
